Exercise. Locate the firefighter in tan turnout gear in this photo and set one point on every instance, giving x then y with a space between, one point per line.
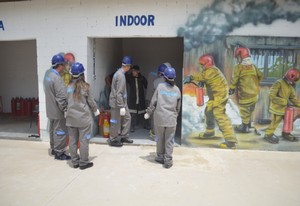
217 91
282 94
245 82
120 120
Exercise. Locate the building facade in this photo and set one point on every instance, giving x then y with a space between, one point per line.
99 32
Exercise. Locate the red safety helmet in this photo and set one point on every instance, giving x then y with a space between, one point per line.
206 60
69 57
243 52
292 75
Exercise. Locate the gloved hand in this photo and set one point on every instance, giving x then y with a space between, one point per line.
146 116
96 113
187 80
231 91
122 111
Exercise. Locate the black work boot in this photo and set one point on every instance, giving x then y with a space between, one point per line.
115 143
88 165
243 128
289 137
272 138
159 160
126 140
63 156
168 165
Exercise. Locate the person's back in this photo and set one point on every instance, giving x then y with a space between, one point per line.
79 119
81 107
55 93
165 104
167 107
246 79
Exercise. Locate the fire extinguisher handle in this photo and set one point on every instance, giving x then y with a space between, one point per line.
187 79
201 84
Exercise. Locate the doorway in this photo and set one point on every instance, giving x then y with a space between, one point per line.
147 53
18 87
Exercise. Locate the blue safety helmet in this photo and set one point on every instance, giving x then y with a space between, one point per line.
77 69
161 69
57 59
127 60
170 73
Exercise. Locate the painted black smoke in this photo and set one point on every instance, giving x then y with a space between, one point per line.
223 16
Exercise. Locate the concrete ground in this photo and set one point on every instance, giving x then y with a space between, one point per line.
129 176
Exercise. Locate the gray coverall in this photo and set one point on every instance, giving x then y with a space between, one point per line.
156 82
56 103
150 90
79 121
165 104
118 100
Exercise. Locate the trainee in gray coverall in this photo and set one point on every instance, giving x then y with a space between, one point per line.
165 104
79 122
117 100
56 103
156 82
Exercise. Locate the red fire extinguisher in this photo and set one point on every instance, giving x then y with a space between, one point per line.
101 117
18 106
29 107
13 106
199 95
288 121
23 106
106 125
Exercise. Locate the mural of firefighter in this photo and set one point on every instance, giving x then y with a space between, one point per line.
217 91
250 99
283 96
245 82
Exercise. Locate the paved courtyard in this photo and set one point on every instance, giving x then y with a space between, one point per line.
129 176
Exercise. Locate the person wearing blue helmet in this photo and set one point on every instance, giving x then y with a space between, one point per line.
56 105
165 105
159 79
81 105
160 74
120 120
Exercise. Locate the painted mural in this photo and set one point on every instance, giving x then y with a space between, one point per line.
241 91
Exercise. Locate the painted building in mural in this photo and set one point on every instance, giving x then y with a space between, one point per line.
98 33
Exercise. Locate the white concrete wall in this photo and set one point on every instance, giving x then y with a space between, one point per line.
70 25
108 54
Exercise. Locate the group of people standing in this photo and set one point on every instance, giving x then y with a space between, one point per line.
245 82
164 105
70 108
